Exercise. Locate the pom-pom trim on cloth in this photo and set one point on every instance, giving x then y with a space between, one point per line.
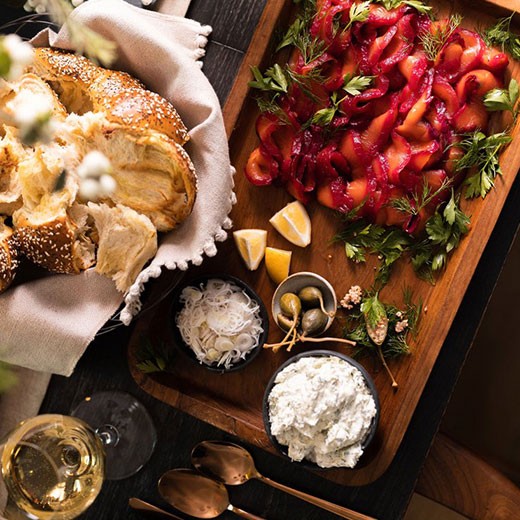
133 302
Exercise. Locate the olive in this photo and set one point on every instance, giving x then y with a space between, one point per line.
314 322
284 322
310 296
290 305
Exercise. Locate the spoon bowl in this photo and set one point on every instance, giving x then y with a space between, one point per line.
233 465
197 495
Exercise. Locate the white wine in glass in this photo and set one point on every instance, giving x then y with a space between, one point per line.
53 467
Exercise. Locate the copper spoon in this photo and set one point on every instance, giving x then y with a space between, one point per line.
234 465
144 507
197 495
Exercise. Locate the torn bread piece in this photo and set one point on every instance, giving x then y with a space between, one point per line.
11 154
154 175
55 236
8 255
126 241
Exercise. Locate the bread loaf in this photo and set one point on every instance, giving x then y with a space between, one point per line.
141 135
84 87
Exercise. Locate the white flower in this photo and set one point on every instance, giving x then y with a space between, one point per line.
400 326
94 164
20 55
95 176
33 118
353 297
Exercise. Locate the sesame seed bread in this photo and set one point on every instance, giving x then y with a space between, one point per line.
55 238
84 87
11 152
8 255
126 241
140 134
154 174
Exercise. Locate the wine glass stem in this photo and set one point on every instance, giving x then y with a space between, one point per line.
108 435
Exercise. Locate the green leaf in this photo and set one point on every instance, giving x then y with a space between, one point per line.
373 310
499 99
500 35
274 79
324 116
355 85
359 12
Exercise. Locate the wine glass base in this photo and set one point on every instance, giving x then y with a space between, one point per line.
125 428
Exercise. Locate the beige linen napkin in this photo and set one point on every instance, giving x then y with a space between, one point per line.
48 323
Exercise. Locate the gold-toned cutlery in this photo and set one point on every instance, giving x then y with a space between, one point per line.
234 465
144 507
198 495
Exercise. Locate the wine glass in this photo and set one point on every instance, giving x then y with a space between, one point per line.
53 467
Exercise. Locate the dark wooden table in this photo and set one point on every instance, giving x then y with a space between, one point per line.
104 366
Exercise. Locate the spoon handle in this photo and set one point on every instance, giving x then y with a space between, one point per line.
243 514
341 511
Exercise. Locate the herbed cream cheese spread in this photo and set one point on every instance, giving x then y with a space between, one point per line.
321 408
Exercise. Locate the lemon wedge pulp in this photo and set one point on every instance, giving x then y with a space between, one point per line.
293 223
251 246
277 262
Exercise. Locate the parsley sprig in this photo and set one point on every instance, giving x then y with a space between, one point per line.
362 238
444 231
416 4
434 42
154 357
500 99
353 86
481 152
500 35
274 79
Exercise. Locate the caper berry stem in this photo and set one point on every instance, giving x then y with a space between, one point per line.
386 367
304 339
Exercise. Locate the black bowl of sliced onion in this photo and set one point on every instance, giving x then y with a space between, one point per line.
219 322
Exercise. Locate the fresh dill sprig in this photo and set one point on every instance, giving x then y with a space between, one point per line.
500 99
154 357
500 35
481 152
433 42
444 231
420 200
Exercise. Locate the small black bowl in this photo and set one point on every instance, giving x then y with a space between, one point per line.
318 353
186 349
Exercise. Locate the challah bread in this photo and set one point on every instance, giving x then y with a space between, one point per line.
126 241
154 175
55 237
11 153
8 256
84 87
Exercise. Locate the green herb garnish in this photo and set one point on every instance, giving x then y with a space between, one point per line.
434 42
416 4
481 152
274 79
444 231
500 99
154 357
501 36
382 328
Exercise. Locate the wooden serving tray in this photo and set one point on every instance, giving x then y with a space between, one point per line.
233 402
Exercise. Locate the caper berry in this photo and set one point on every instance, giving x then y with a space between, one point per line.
314 322
310 296
290 305
284 322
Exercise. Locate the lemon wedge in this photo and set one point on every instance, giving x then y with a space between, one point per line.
277 262
251 246
293 223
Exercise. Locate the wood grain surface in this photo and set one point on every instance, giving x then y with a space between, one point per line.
457 478
234 404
